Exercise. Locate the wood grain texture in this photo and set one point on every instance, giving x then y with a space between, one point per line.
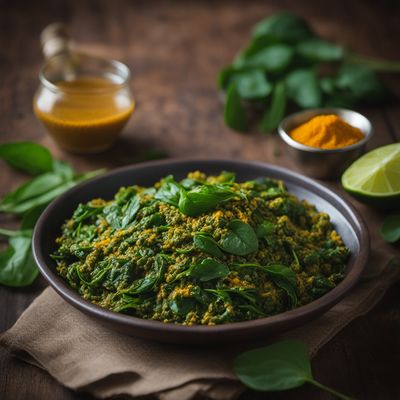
175 50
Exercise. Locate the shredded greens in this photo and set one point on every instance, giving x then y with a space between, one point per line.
204 250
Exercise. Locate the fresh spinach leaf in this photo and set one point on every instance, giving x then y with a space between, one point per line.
252 84
256 45
182 305
274 58
320 50
17 266
204 198
264 229
169 191
33 188
284 278
128 303
206 243
63 169
361 82
241 240
40 200
276 110
129 212
285 27
390 229
208 269
280 366
303 88
234 112
27 156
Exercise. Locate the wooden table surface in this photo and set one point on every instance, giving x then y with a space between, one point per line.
175 50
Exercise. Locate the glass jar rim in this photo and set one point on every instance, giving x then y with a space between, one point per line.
121 69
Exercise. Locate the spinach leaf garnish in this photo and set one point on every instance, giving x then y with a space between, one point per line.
280 366
276 109
284 27
264 229
234 113
120 216
204 198
390 229
208 269
303 88
27 156
169 191
206 243
129 212
17 266
241 240
182 305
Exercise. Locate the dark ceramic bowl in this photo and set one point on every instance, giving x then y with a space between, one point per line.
346 219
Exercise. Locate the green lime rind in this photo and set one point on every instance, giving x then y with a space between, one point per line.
375 177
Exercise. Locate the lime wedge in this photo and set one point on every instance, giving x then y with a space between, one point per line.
375 177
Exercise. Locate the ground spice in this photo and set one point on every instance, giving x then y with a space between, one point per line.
327 132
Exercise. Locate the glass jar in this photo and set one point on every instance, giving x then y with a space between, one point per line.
84 102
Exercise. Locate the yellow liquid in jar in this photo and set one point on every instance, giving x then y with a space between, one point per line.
88 115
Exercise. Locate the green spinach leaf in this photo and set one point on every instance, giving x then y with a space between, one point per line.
39 200
17 266
182 305
390 229
208 269
129 212
280 366
276 110
284 278
303 88
169 191
274 58
206 243
204 198
361 82
320 50
27 156
264 229
234 113
252 84
241 240
285 27
33 188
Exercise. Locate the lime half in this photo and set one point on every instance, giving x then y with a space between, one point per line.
375 177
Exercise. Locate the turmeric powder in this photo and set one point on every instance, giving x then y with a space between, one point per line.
327 132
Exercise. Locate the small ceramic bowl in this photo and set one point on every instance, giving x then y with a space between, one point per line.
323 163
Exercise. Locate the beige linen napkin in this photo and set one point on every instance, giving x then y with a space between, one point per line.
83 355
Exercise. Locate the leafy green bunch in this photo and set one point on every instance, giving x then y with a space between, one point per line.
50 179
287 63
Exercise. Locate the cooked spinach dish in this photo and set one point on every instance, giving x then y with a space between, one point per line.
206 250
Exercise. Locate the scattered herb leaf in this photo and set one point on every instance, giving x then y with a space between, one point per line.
280 366
390 229
241 240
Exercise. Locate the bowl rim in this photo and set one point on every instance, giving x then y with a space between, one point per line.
368 133
152 326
